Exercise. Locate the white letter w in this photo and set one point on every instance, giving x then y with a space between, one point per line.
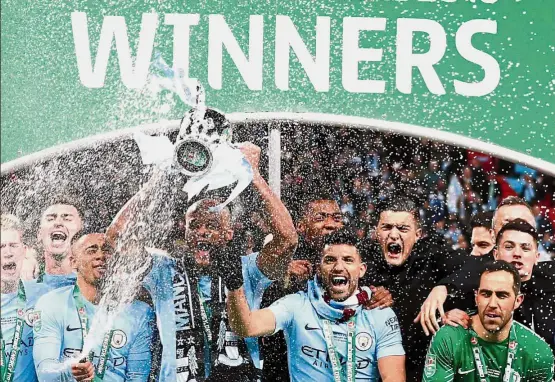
113 27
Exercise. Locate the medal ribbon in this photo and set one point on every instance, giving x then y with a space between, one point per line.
106 342
479 357
204 315
7 369
351 351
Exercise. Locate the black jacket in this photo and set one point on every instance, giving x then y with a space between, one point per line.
538 308
430 261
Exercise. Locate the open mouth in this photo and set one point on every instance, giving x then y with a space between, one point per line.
518 265
339 280
202 253
9 267
100 268
58 237
394 249
492 316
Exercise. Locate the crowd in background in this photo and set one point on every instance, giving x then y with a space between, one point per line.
448 187
451 183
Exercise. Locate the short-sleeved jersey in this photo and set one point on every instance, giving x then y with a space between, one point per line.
58 281
58 337
25 369
159 282
377 335
450 357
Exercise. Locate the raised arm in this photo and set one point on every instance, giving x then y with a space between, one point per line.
246 323
276 255
129 212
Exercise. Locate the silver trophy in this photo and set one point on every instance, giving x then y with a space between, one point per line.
199 133
203 150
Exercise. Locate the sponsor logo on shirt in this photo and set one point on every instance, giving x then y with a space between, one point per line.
308 328
393 323
320 358
37 321
336 335
70 329
463 372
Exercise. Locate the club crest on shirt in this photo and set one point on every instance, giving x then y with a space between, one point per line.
430 368
119 339
30 317
363 341
37 321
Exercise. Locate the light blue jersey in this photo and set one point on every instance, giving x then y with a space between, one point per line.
25 369
159 283
300 317
58 281
58 336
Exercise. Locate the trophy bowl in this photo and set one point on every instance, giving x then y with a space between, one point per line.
193 156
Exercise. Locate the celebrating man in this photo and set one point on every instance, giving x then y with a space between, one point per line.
518 245
495 347
330 337
189 297
481 238
120 352
318 216
58 224
408 266
18 300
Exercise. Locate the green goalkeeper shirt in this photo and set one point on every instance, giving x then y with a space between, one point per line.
450 357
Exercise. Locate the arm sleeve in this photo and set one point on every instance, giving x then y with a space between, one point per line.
255 282
462 280
283 310
543 368
440 360
388 335
140 357
48 332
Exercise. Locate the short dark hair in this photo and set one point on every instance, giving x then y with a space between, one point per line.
399 203
65 198
519 225
305 199
344 235
84 232
514 201
481 219
503 266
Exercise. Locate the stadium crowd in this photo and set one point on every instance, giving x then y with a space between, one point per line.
388 258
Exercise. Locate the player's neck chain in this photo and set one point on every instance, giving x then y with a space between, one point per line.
7 366
85 326
479 357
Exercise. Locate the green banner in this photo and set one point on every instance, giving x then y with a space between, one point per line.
483 69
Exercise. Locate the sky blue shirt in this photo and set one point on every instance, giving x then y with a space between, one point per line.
159 282
24 369
58 336
300 317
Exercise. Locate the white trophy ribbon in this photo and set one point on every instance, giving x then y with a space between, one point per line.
207 157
